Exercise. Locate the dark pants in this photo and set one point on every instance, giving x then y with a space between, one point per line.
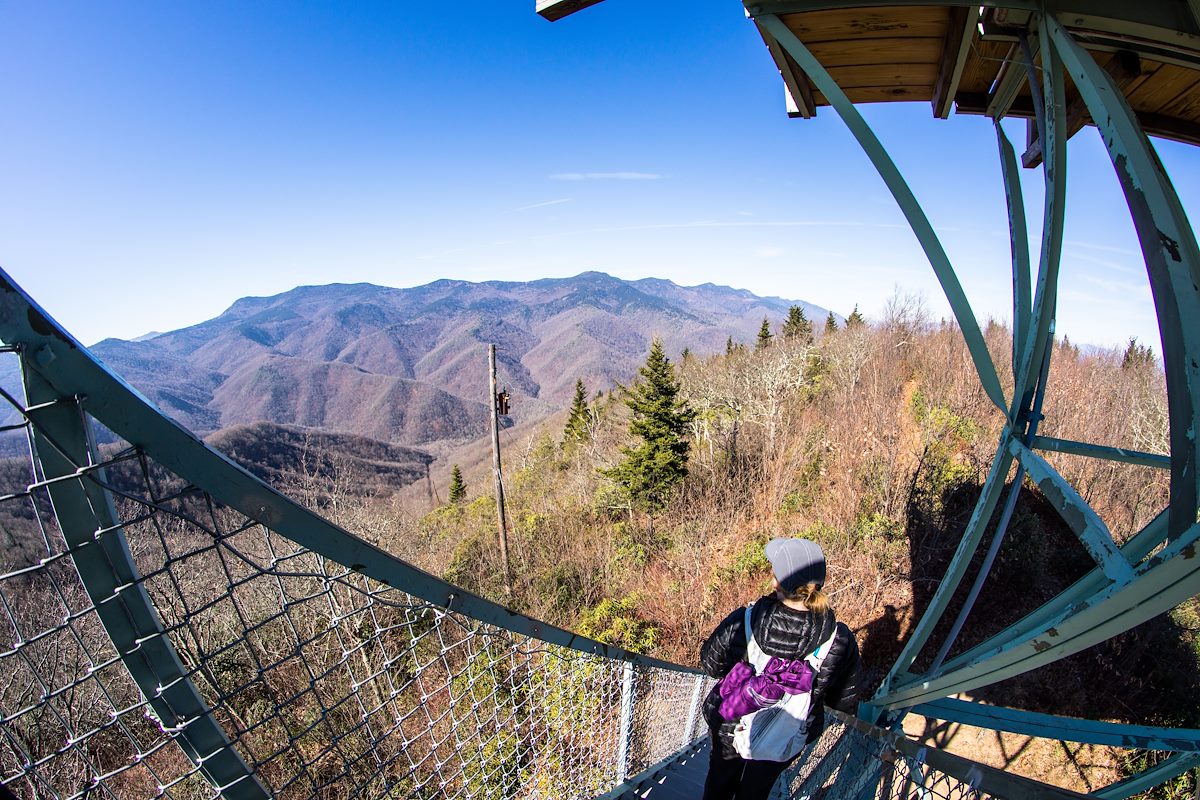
731 776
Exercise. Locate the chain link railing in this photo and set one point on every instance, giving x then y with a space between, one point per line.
326 682
853 760
182 630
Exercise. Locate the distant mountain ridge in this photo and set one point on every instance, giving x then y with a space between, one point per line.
408 366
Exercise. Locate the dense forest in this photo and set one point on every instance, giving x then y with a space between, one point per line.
640 518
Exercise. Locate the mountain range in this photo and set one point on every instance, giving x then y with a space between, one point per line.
409 366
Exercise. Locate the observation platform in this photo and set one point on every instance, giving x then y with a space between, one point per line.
175 627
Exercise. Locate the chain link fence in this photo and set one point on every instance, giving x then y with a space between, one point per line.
313 680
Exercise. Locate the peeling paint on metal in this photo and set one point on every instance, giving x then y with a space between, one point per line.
1170 245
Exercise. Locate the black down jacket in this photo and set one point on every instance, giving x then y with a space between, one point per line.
786 633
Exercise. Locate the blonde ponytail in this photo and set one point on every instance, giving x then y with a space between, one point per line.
811 595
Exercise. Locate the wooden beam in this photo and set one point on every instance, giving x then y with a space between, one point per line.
1195 6
794 80
1008 83
1161 125
1124 67
955 50
554 10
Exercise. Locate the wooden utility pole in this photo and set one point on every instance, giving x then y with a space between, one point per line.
500 518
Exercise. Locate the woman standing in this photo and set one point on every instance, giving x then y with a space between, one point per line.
793 623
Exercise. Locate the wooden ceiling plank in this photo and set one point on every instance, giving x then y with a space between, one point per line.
956 47
983 63
1009 82
920 76
555 10
868 23
1186 105
880 94
909 50
1160 89
794 80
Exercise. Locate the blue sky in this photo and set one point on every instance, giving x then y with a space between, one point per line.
159 160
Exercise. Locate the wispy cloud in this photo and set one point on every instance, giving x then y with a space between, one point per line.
605 176
1125 251
543 205
768 252
731 224
1128 269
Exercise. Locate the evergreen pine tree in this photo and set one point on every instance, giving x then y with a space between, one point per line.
855 319
1137 355
830 324
458 489
652 468
764 336
576 429
797 326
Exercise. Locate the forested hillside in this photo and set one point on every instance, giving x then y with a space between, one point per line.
405 366
871 439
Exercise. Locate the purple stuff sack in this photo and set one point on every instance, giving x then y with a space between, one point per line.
742 692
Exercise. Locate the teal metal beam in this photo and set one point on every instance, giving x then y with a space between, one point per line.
984 780
904 198
1018 237
1160 583
1075 511
1121 454
1037 341
100 553
1160 773
1172 261
1067 729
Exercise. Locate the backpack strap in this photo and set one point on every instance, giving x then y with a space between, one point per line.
817 656
749 632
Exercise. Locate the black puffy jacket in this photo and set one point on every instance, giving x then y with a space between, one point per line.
786 633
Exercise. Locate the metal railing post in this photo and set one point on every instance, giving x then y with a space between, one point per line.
693 709
626 723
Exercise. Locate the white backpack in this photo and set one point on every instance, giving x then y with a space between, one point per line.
776 733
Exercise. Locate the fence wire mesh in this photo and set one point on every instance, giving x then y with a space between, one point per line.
845 762
327 684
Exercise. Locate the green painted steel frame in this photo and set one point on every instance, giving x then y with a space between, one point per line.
1128 587
65 449
1068 729
987 781
1135 785
1172 261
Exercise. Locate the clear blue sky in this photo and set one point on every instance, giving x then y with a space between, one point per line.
159 160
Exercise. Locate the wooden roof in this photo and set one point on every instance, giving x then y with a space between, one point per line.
968 57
